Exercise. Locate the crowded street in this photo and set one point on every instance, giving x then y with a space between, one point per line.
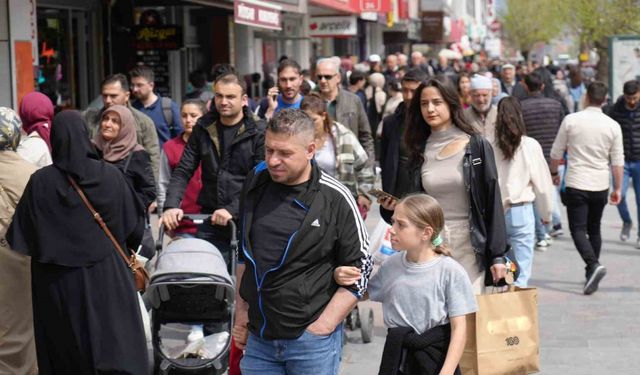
319 187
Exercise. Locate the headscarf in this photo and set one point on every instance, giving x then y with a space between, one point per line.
71 150
126 140
36 112
9 129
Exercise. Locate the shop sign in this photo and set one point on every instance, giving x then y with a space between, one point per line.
333 26
257 14
164 37
432 26
378 6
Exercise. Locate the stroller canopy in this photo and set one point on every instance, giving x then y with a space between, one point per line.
191 259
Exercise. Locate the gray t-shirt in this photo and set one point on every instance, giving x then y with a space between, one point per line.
421 295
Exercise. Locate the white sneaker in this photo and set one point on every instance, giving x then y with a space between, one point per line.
542 245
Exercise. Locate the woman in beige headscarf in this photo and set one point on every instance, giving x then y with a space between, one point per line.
116 141
17 349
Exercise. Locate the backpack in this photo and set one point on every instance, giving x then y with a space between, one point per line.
166 112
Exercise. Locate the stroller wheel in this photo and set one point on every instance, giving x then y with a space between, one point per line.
352 319
366 324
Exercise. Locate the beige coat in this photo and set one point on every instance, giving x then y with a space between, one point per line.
17 346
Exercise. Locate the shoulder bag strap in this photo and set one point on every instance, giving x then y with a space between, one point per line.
99 220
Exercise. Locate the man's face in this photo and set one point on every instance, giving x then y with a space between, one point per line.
289 81
416 58
113 94
328 78
508 75
632 101
141 88
408 90
287 157
481 99
496 87
392 62
229 99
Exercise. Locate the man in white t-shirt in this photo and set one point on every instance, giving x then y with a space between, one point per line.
593 142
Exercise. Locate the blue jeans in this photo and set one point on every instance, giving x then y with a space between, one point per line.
521 237
308 354
631 171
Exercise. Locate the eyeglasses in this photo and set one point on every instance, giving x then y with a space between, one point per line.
326 76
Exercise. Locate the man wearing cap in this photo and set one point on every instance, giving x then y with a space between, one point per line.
509 84
482 114
375 63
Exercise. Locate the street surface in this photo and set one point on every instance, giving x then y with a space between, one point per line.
580 335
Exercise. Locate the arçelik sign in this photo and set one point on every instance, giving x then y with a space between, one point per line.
334 26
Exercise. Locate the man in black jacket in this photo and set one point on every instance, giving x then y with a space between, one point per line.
229 144
298 224
542 117
393 156
626 111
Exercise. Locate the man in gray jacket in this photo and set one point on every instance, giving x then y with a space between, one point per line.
115 90
344 107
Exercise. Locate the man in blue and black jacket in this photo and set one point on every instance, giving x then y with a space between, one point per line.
297 225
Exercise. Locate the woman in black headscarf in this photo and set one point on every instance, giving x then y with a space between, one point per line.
85 308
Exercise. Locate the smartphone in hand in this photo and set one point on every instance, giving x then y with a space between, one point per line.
382 194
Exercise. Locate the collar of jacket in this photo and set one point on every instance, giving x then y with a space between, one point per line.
210 121
262 177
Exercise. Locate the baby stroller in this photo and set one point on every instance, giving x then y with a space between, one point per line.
191 296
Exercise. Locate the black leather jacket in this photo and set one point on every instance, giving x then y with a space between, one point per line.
486 216
222 175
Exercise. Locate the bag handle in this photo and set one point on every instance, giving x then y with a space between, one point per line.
101 222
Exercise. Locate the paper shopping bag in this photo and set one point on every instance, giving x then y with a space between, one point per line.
502 337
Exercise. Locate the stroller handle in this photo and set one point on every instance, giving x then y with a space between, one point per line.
200 219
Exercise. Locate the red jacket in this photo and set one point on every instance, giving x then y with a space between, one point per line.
173 149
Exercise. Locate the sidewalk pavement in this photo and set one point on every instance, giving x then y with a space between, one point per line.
579 335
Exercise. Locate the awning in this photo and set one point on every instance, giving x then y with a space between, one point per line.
355 6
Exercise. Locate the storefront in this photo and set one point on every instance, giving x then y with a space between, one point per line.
69 66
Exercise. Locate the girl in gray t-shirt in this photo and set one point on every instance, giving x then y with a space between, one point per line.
421 287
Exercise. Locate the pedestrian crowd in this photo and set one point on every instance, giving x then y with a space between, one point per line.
475 162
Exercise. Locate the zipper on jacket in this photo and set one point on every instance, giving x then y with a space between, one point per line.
261 281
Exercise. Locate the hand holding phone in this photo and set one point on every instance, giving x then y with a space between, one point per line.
382 194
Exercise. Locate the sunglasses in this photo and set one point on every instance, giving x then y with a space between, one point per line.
326 76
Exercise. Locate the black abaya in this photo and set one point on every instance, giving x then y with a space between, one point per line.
86 313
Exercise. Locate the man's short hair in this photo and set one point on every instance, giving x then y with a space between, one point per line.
219 70
198 79
331 61
414 75
631 87
144 72
533 81
597 92
232 78
356 77
288 63
293 122
116 78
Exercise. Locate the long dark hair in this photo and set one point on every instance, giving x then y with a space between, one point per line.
509 126
418 131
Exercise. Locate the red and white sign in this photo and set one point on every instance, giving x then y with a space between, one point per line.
377 6
257 13
348 6
334 26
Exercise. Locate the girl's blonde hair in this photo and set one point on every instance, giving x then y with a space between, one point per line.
424 211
